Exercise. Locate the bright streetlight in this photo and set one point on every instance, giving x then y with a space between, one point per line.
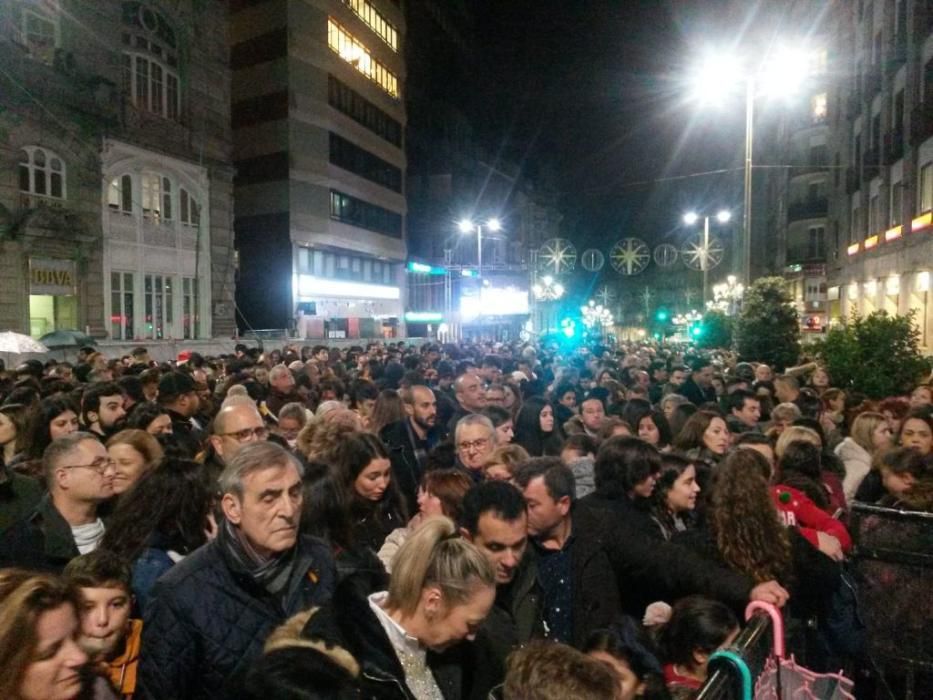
778 74
727 296
690 218
467 226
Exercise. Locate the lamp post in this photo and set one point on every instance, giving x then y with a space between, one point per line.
467 226
690 218
544 290
596 316
778 74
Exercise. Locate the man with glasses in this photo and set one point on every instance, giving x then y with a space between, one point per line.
178 395
235 426
475 439
79 474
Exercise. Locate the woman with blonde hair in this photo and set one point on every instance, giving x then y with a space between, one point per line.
39 654
134 452
870 435
442 588
504 460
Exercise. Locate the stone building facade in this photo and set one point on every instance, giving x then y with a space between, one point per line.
116 191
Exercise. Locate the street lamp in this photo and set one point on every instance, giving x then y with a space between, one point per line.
546 289
690 218
596 316
779 74
727 296
467 226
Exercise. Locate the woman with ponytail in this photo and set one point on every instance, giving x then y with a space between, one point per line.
441 589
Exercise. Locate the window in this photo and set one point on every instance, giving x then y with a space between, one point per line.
189 211
356 212
351 157
150 61
120 194
191 308
121 306
362 111
354 53
41 172
874 214
897 203
157 197
818 106
818 62
816 242
40 34
158 299
384 29
925 197
346 266
855 233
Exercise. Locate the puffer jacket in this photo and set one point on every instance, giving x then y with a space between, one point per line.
857 462
207 620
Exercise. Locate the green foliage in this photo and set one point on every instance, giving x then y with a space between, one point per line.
716 330
768 329
878 355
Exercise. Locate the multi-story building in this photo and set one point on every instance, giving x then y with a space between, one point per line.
881 147
116 205
319 124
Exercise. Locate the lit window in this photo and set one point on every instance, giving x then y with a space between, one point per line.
375 21
157 197
121 306
818 107
354 53
191 308
41 172
926 188
120 194
158 299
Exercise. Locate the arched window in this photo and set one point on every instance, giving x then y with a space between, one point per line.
120 194
150 61
189 211
41 172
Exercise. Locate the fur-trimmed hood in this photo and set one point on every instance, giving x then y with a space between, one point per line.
289 636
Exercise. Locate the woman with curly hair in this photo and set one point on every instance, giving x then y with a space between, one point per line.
744 531
159 521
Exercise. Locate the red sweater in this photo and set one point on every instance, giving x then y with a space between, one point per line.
797 510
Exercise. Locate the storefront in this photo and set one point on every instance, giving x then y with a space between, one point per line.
337 309
53 295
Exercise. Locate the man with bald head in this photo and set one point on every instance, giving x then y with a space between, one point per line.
410 439
470 393
235 426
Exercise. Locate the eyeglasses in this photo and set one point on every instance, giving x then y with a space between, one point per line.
468 445
260 433
99 465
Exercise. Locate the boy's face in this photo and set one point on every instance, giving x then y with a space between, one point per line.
105 616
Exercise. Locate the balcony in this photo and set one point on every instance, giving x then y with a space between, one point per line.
871 164
809 208
814 162
805 254
893 146
921 123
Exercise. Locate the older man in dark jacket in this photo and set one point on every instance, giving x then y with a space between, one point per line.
210 614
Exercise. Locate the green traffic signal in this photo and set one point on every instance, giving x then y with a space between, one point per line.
661 314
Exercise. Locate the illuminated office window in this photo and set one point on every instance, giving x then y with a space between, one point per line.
354 53
375 21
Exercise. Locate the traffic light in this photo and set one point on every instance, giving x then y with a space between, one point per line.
568 327
696 330
661 315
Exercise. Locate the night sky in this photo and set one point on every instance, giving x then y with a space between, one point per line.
591 94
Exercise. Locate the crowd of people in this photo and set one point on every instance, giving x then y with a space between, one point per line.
480 520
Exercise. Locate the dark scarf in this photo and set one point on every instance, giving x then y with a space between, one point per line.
271 574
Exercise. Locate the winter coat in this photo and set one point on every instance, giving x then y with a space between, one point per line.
858 464
40 542
516 618
392 544
696 394
347 623
207 620
19 496
406 471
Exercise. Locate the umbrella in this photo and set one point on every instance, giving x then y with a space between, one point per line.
17 343
67 339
